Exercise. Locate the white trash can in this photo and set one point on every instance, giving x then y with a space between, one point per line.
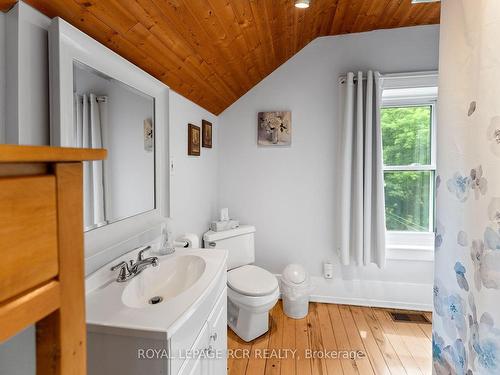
295 291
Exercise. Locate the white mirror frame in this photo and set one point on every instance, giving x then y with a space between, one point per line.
66 45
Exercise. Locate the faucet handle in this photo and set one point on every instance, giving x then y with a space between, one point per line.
120 266
124 270
140 255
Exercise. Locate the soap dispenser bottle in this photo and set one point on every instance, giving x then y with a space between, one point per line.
166 241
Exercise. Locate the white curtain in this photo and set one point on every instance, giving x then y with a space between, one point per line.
362 209
90 117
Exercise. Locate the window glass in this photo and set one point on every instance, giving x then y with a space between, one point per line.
408 167
408 200
406 135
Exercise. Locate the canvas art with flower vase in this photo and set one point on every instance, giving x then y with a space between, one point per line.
274 128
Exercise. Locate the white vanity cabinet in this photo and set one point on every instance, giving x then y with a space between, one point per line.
162 339
198 347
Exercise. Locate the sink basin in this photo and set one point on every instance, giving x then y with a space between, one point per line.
179 284
157 285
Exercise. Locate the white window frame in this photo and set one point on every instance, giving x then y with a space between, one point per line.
415 89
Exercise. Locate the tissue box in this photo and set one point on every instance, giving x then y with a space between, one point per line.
218 226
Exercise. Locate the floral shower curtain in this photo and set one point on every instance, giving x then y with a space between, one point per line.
466 319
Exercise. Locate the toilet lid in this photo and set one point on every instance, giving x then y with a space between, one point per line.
251 280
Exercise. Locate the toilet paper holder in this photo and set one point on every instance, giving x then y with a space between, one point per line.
187 240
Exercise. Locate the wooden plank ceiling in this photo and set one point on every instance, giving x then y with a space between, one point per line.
214 51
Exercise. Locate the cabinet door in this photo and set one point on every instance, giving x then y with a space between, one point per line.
212 340
218 336
196 365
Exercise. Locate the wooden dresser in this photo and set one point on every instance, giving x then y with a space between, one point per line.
41 252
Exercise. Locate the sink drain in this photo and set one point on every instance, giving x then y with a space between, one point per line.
155 300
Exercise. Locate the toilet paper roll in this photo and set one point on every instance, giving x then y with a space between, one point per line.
192 240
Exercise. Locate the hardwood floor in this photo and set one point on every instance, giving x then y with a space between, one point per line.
365 339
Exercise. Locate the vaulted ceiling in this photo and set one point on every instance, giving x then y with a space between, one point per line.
214 51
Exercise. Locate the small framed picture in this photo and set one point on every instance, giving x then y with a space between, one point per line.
206 130
274 128
194 140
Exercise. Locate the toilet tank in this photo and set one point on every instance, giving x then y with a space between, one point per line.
238 242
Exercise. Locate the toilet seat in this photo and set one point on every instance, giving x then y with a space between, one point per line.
250 280
254 304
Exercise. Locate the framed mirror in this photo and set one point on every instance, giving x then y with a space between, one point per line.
100 100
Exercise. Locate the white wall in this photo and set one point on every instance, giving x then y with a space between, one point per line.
194 183
289 193
18 355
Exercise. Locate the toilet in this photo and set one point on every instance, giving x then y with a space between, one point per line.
252 291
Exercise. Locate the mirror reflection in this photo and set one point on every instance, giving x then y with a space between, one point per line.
112 115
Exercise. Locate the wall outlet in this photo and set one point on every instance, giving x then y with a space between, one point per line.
328 270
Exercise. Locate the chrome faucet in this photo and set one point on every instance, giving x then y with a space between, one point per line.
141 263
129 270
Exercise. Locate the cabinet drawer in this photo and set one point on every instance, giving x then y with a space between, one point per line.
28 233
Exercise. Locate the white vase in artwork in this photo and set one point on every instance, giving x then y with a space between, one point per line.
274 136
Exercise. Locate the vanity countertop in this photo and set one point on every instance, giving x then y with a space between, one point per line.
109 307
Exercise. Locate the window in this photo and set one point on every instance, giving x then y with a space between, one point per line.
408 121
407 132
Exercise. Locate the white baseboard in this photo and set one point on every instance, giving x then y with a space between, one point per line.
389 294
